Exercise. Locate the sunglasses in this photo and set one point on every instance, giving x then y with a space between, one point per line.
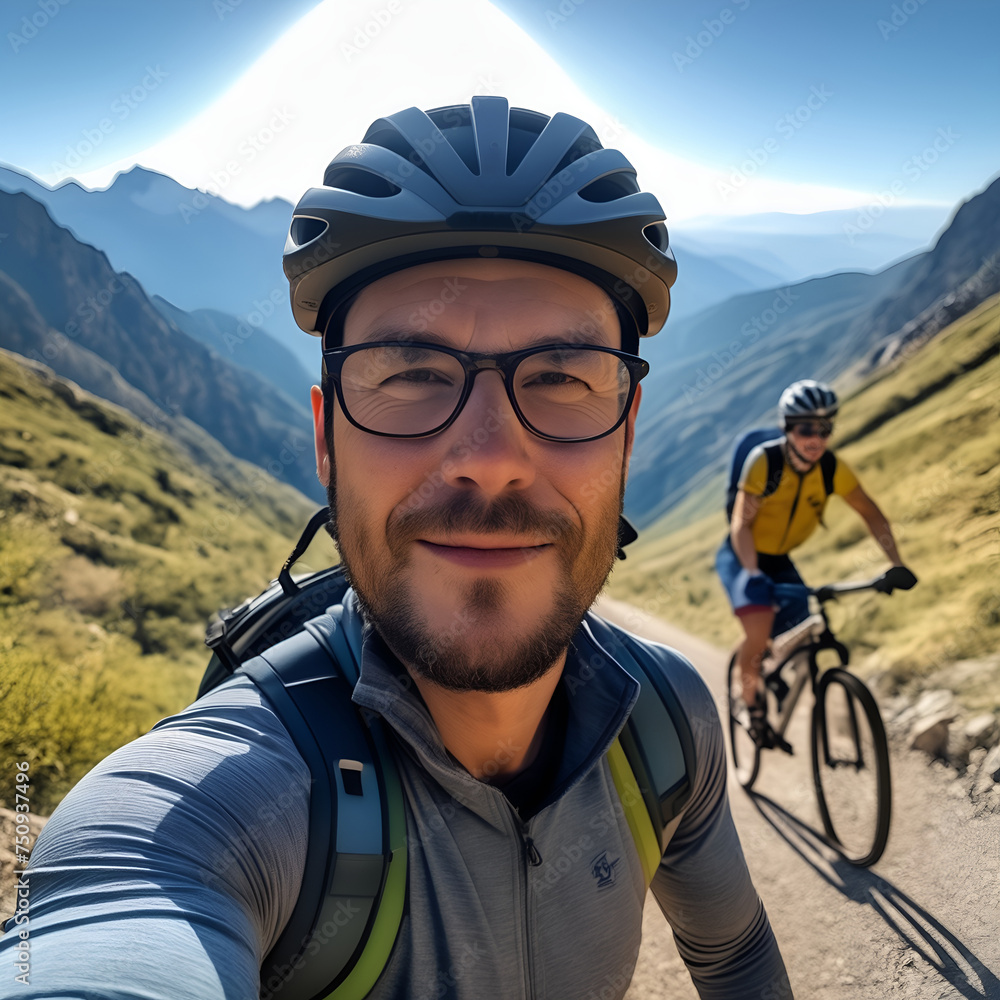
808 430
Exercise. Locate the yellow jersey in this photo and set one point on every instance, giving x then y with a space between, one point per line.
791 513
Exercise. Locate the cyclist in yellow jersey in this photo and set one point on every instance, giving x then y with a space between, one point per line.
769 521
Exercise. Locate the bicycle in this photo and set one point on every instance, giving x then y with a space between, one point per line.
850 752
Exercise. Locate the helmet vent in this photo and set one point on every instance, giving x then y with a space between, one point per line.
304 230
524 128
609 188
657 235
360 182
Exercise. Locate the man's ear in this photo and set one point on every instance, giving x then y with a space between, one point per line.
630 427
319 434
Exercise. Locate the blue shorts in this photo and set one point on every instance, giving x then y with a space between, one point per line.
780 569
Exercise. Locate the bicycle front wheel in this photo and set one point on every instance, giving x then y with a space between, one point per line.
746 753
851 767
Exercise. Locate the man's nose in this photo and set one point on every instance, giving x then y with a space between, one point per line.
489 446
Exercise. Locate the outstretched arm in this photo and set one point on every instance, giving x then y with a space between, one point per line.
877 523
171 868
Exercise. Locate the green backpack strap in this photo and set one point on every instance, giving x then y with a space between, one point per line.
353 892
636 814
653 759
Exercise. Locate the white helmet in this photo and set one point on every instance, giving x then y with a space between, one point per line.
807 399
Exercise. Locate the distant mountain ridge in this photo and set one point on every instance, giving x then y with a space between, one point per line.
199 251
194 249
63 304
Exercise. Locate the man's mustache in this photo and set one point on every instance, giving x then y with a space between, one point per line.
462 513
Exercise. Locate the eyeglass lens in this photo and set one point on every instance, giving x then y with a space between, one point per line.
412 390
814 430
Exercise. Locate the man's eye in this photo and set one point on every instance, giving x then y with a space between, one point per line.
424 375
552 378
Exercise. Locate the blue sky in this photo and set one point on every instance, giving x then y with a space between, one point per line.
893 85
849 95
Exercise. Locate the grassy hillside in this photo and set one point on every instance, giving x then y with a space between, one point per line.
924 440
115 549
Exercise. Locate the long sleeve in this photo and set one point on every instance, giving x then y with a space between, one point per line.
170 869
703 886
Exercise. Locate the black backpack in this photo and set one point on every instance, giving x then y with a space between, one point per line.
307 670
771 438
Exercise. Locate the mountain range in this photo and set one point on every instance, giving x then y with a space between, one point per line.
198 251
63 304
181 336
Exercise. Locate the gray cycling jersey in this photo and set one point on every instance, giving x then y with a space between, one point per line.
171 868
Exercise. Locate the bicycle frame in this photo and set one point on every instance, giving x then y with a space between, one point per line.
804 660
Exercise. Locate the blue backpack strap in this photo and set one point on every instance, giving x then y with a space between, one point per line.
745 444
355 871
657 738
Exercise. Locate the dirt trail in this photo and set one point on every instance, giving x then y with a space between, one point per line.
922 924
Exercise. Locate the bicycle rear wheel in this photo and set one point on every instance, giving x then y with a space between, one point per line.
851 767
746 753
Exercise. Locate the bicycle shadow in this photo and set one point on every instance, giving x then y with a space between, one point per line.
917 928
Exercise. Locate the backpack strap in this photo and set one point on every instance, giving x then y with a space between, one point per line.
637 816
775 466
828 466
354 883
656 745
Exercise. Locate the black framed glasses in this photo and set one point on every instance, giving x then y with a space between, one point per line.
560 392
820 428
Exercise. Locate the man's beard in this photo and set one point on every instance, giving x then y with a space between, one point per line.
483 649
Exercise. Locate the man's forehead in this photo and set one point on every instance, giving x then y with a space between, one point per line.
440 299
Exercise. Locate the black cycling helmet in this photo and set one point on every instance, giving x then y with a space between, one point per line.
807 399
479 180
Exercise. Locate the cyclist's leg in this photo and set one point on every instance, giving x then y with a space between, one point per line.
756 619
757 623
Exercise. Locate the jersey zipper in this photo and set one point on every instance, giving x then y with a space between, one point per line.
529 857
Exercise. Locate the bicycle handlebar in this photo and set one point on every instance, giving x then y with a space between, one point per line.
894 578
